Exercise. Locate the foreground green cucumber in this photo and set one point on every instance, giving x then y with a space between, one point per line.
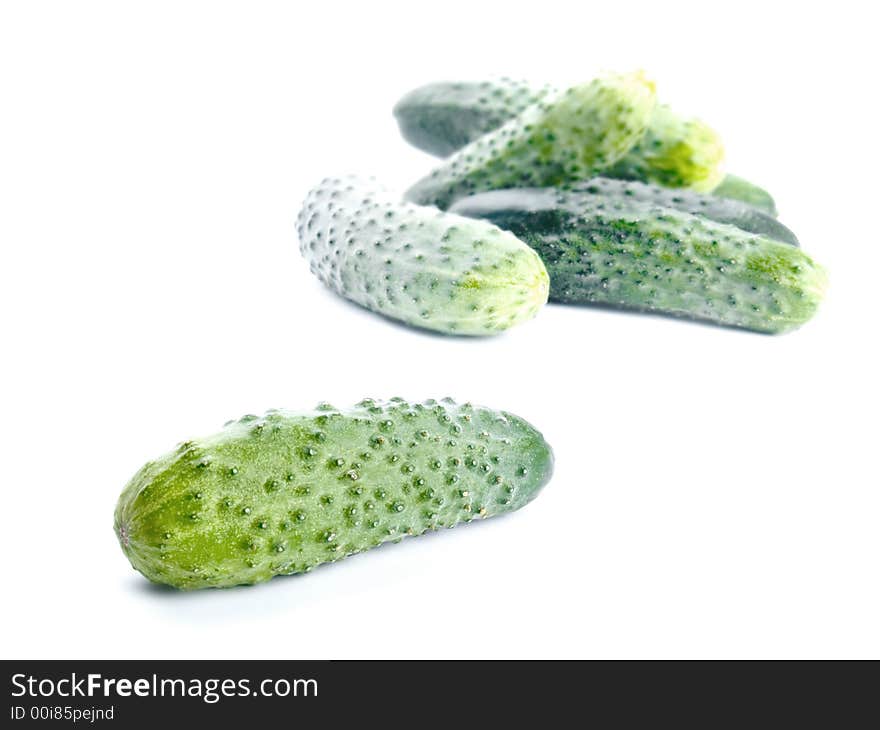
440 118
286 492
416 264
735 188
633 254
722 210
567 136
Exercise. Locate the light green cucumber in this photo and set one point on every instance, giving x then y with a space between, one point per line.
289 491
634 254
417 264
676 151
736 188
722 210
440 118
568 136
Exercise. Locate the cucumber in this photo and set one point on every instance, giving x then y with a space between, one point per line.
416 264
440 118
717 209
736 188
634 254
286 492
569 136
676 151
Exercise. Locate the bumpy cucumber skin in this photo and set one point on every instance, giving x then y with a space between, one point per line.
416 264
722 210
442 117
286 492
563 138
736 188
676 151
635 255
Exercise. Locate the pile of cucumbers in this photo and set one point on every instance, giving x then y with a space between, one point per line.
625 203
593 194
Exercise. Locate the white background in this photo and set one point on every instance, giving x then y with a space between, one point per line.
716 492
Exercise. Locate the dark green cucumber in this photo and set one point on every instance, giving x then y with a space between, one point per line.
722 210
440 118
736 188
634 254
565 137
286 492
416 264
